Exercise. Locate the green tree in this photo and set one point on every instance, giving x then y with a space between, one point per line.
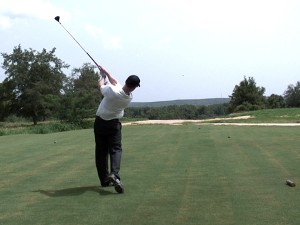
82 95
247 96
292 95
275 101
6 105
35 81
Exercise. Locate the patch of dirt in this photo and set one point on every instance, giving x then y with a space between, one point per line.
180 122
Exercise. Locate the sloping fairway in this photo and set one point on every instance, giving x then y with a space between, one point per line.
187 174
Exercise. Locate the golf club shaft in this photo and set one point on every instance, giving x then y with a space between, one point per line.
99 67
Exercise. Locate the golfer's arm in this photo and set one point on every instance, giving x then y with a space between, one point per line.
101 82
112 80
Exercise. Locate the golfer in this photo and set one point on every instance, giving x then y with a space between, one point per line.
107 127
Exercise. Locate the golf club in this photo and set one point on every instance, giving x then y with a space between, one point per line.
99 67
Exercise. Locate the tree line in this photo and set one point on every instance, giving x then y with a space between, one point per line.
36 87
248 96
177 112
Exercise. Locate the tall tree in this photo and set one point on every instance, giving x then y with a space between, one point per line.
82 96
36 80
275 101
6 105
247 96
292 95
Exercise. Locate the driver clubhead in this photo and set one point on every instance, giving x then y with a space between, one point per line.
57 18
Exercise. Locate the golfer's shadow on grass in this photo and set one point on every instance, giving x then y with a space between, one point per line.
74 191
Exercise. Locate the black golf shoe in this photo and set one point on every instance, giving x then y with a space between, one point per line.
116 183
107 184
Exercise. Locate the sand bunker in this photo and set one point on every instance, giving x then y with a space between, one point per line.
180 122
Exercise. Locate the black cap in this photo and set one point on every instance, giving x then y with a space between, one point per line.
133 81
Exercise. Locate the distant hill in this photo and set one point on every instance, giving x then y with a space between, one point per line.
197 102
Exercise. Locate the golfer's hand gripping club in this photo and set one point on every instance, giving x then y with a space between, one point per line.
103 72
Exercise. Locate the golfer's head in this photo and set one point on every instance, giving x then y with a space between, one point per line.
133 81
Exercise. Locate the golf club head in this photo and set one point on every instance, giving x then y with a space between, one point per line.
57 18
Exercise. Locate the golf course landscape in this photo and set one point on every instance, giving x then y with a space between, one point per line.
192 173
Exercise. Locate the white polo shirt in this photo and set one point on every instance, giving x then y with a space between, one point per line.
114 102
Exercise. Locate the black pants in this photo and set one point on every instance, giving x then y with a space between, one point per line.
108 139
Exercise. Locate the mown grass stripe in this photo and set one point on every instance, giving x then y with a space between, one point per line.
189 174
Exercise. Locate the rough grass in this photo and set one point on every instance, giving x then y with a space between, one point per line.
13 128
187 174
285 115
21 126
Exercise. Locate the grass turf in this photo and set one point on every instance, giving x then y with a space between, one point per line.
185 174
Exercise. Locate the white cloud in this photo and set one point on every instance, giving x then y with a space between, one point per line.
14 10
109 41
5 22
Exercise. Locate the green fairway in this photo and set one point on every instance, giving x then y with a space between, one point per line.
189 174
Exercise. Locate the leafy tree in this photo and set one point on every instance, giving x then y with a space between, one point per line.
247 96
6 105
81 96
292 95
275 101
35 81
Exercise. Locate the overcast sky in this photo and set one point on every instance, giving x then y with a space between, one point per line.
181 49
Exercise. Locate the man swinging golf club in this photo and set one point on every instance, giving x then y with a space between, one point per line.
107 127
